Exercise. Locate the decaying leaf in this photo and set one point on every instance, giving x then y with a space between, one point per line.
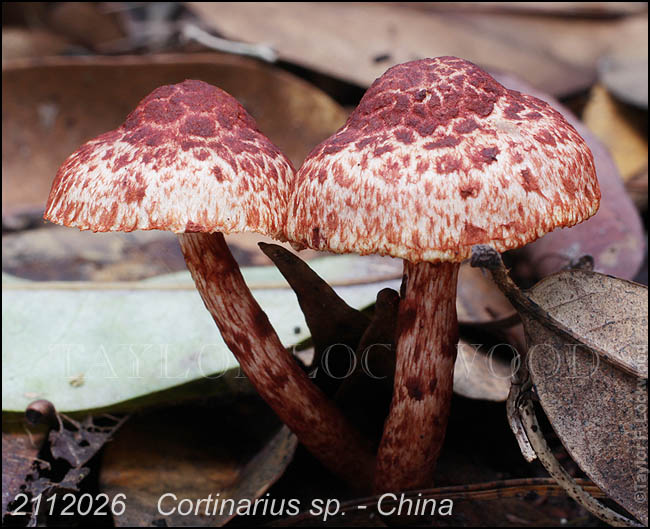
78 442
20 446
613 236
70 446
292 113
220 450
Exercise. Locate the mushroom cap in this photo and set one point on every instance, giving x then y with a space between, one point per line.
189 158
438 157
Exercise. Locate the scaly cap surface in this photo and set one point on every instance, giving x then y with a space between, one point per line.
438 157
189 158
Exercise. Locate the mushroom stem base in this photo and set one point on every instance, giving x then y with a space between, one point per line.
246 330
427 335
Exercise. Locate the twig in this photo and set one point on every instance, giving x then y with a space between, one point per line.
259 51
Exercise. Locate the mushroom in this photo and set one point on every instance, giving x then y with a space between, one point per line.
436 158
190 159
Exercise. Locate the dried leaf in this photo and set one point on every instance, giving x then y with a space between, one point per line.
55 113
57 253
366 389
559 473
613 236
238 456
609 314
329 38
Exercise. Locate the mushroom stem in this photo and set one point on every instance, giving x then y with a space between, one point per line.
427 334
246 330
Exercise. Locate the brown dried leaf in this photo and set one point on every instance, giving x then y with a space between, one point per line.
613 236
51 106
598 411
233 450
328 37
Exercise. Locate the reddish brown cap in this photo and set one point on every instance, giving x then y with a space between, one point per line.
438 157
189 158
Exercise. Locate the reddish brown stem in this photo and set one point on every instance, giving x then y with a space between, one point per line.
427 334
245 328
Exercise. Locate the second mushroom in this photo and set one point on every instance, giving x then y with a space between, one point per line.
437 157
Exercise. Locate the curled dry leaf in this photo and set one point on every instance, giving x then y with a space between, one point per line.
292 113
613 236
587 337
231 450
598 411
